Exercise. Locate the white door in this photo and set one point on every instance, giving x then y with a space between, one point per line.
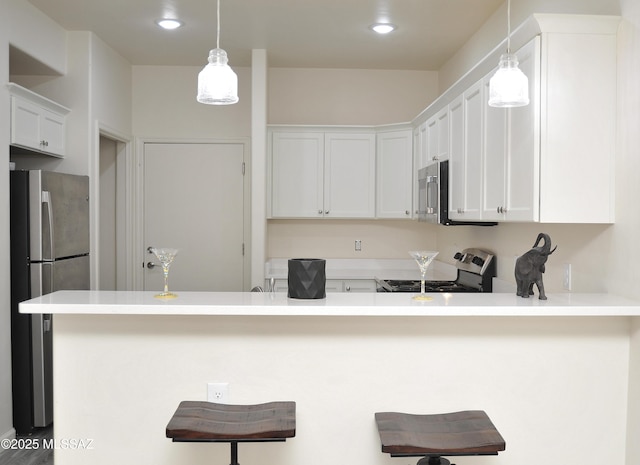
194 201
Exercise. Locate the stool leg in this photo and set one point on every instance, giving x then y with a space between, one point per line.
434 460
234 453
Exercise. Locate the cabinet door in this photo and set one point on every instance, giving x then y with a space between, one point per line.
25 123
523 166
417 147
349 176
494 161
442 119
466 164
456 158
394 175
297 165
432 140
473 136
52 132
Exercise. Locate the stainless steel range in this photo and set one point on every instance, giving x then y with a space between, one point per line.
476 269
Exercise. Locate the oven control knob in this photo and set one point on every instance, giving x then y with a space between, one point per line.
458 256
477 261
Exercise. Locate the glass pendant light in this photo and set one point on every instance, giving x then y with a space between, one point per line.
217 83
508 87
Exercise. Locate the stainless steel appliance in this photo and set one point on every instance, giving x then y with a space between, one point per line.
476 269
433 196
49 252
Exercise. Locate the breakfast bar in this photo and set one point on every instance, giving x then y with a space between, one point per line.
558 378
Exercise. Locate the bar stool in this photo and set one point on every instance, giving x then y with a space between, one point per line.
434 436
196 421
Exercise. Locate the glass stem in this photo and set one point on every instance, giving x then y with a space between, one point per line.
422 284
165 270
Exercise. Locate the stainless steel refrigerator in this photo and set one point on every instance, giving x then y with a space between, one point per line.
49 252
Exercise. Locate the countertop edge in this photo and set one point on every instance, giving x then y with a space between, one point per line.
335 304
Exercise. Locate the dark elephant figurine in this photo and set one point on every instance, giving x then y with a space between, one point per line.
530 267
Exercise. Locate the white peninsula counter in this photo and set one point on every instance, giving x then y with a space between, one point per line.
559 378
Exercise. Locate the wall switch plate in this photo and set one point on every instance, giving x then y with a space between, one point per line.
566 277
358 245
218 393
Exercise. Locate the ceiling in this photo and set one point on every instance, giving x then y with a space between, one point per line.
295 33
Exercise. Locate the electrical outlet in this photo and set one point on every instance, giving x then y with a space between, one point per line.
358 245
218 393
566 277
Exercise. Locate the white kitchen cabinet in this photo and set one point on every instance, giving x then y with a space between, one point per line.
511 163
37 123
438 136
317 174
573 119
394 174
297 174
553 160
419 161
466 155
349 178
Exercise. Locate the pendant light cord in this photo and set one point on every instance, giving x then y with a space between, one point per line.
508 26
218 35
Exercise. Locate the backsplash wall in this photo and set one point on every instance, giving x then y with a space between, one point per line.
336 238
586 247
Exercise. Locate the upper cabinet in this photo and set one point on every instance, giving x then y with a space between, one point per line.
321 174
394 174
37 123
340 172
551 161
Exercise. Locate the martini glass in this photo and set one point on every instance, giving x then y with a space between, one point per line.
166 256
423 258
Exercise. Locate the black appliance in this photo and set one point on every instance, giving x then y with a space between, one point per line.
475 272
49 252
433 197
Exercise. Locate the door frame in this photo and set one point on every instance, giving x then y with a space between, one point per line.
125 156
137 256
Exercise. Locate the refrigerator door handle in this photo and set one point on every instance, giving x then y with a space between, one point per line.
46 199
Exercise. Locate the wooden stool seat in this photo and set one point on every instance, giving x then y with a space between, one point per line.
449 434
196 421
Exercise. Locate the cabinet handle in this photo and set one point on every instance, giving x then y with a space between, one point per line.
348 289
326 212
319 212
406 212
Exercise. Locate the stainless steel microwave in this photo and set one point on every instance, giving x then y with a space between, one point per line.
433 200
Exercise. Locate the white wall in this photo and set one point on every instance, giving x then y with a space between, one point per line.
6 421
554 387
348 96
335 238
164 106
625 234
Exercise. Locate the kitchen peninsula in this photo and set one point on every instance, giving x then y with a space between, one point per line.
553 375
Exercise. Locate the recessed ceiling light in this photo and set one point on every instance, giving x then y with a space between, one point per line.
169 23
383 28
